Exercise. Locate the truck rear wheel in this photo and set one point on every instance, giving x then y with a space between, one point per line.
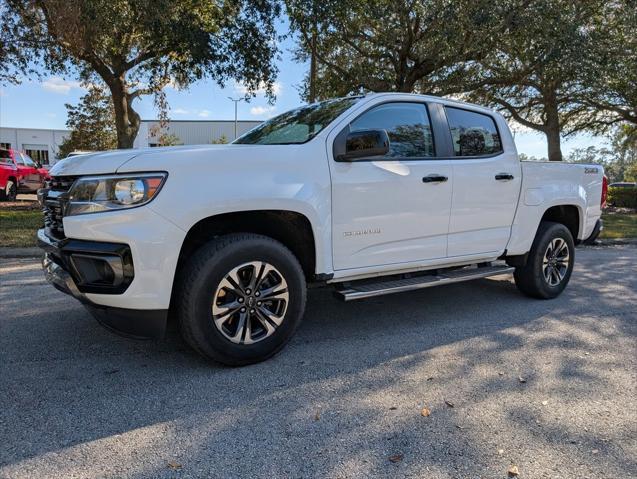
10 192
550 262
241 297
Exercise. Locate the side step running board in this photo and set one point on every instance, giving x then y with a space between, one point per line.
378 288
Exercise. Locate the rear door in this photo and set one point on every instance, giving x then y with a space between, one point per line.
386 210
487 179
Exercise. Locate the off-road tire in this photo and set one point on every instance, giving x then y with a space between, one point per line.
530 278
10 192
203 273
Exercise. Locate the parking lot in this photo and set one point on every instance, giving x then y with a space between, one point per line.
546 386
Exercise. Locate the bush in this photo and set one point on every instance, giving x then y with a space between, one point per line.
622 197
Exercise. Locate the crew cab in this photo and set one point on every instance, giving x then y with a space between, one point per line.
369 195
31 176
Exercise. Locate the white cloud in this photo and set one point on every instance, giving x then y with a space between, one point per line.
242 89
204 113
60 85
180 111
262 110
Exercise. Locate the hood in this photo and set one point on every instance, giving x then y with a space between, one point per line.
109 162
106 162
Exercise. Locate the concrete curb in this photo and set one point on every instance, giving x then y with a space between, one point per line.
611 242
32 252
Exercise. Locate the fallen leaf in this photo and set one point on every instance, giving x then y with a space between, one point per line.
500 373
174 465
393 408
500 451
521 379
513 471
429 378
396 458
544 403
425 412
317 416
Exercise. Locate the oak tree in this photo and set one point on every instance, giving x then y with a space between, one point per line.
535 74
391 45
137 47
91 123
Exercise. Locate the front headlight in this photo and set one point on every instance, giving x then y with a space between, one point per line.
93 194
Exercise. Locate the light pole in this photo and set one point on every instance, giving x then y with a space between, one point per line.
236 102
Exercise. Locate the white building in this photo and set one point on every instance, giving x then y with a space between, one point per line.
42 145
192 132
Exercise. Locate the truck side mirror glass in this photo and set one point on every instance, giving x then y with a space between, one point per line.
364 144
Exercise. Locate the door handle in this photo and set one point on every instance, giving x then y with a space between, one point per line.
504 177
435 178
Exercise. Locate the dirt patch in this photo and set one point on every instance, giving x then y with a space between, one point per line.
20 205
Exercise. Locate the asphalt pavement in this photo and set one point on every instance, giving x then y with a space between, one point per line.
462 381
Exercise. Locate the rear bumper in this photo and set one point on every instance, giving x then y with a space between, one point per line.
599 227
137 323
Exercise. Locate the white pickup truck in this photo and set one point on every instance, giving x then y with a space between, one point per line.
371 195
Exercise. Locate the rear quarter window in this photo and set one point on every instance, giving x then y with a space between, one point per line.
472 133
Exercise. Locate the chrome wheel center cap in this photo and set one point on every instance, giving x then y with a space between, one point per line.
251 301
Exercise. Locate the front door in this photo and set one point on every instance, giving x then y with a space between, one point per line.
28 170
393 209
486 184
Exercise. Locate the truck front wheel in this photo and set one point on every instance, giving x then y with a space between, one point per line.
241 297
550 262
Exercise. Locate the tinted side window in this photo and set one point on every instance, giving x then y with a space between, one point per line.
472 134
5 157
407 125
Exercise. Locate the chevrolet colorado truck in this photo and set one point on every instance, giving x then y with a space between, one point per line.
371 195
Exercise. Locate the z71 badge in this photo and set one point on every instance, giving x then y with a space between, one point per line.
371 231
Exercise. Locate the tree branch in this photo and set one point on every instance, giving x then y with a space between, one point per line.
517 117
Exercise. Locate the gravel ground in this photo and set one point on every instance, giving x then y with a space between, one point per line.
547 386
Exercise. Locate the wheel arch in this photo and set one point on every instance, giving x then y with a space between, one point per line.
568 215
291 228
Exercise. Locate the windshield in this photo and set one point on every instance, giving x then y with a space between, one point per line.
297 126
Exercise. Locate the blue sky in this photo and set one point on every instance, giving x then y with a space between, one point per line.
40 104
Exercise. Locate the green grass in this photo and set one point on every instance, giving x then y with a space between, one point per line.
619 225
18 227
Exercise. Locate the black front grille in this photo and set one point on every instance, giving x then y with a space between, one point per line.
54 201
61 183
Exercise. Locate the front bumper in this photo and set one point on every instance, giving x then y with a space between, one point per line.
59 270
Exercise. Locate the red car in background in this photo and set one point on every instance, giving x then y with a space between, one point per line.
19 174
8 177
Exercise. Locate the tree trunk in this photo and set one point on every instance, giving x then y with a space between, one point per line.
126 119
553 131
312 96
555 150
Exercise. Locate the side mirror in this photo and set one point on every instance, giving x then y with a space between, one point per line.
364 144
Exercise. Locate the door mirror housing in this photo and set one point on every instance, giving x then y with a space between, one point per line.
364 144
